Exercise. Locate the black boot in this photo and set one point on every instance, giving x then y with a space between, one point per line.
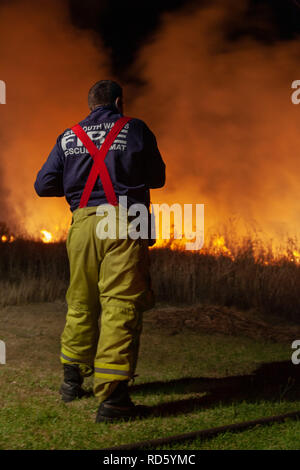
71 387
118 406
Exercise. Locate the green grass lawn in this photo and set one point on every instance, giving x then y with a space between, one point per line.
192 381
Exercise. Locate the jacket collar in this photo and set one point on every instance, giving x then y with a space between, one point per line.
100 109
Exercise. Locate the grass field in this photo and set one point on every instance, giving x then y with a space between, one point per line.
190 377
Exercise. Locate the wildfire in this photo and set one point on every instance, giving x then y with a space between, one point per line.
296 256
46 237
215 246
220 248
7 238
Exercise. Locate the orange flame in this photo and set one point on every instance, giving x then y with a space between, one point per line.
46 237
220 248
7 238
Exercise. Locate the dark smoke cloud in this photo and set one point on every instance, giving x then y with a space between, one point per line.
125 27
224 117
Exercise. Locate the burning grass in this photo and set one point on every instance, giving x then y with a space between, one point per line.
243 275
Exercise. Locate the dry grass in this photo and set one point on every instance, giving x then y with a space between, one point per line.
36 272
218 320
244 282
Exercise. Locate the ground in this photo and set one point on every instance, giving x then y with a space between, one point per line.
199 367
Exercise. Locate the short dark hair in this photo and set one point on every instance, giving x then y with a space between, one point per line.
104 93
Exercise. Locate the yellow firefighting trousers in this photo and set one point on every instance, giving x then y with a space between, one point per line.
108 292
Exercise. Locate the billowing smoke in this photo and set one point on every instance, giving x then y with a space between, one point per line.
48 67
221 110
225 121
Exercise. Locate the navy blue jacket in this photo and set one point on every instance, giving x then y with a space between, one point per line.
133 161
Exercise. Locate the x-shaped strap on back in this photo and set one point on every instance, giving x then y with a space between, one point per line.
99 168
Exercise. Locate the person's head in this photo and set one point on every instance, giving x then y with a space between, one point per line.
106 93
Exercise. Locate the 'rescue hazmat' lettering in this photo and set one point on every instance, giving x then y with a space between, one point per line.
72 145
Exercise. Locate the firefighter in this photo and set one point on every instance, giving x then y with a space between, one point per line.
92 164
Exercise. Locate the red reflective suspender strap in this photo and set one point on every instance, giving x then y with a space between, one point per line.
99 168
